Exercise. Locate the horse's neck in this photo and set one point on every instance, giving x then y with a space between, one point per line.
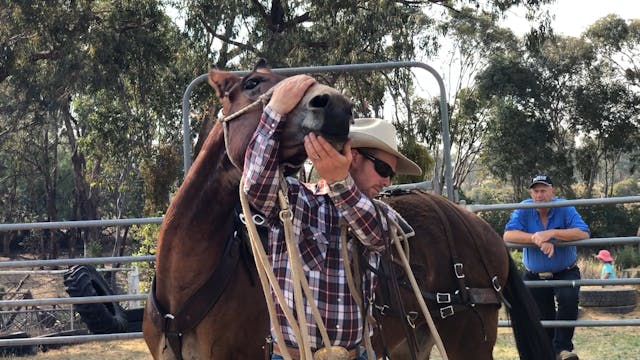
199 216
211 185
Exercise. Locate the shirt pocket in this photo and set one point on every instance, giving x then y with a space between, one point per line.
313 249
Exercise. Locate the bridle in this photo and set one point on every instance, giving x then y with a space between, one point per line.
260 102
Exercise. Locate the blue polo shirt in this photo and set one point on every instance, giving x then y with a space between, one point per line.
528 220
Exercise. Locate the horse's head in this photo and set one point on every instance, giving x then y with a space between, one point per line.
323 110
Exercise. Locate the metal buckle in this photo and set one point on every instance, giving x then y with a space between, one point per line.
443 298
457 268
446 311
257 219
286 214
545 275
496 284
411 318
381 308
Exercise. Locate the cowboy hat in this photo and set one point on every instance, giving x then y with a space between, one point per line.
381 135
604 255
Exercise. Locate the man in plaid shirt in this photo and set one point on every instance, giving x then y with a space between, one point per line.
344 195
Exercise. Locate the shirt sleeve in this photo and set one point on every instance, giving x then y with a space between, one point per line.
261 163
369 227
516 221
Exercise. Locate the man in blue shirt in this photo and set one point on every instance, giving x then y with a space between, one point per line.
546 227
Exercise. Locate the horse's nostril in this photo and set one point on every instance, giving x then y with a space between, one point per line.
319 101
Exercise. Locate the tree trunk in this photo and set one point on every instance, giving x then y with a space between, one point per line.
85 200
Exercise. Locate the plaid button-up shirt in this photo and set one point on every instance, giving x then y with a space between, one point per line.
318 212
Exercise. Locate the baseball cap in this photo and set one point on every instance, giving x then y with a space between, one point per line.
541 179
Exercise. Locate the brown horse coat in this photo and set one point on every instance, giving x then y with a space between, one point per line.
199 222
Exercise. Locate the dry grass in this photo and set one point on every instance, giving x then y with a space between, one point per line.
612 343
111 350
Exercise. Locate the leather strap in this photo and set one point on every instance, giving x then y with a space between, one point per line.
476 295
199 304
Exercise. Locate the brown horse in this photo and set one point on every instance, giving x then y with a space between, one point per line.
454 251
195 260
460 263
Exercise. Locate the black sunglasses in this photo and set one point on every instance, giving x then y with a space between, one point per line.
382 168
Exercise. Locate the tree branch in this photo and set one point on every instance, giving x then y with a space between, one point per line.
228 40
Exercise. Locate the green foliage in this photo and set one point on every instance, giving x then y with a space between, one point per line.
497 219
626 187
516 146
627 256
93 249
517 259
89 87
146 243
159 174
611 220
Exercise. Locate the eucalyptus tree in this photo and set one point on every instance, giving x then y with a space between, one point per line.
104 79
606 114
321 32
473 38
541 82
618 41
617 44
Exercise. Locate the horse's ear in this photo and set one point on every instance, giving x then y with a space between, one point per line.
262 64
222 81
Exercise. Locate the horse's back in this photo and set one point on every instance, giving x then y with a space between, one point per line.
446 234
451 230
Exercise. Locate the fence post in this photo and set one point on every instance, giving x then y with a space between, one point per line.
134 286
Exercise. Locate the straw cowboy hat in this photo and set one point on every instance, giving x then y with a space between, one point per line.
604 255
379 134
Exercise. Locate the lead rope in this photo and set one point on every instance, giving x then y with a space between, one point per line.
286 216
328 352
354 289
414 285
267 277
268 280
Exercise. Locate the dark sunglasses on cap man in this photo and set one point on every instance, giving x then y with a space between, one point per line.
382 168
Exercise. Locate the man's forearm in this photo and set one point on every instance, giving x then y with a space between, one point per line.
570 234
517 236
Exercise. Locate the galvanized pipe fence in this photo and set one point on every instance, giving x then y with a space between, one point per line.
148 258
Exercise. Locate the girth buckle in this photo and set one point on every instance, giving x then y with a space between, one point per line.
443 298
457 268
446 311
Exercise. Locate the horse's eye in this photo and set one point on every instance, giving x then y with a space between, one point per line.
250 84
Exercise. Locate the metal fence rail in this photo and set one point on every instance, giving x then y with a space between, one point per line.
149 258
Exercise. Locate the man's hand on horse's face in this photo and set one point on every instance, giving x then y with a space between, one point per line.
330 164
288 93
